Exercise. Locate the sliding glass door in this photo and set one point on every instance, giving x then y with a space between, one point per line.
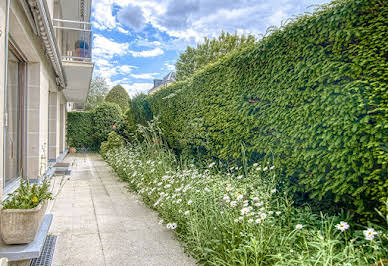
14 118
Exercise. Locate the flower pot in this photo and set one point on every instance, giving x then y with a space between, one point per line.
19 226
72 150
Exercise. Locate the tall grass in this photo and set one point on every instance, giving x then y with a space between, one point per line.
240 216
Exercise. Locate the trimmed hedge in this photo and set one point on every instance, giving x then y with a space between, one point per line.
79 128
106 118
87 130
312 97
118 95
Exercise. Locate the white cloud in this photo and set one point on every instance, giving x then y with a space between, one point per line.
147 53
122 30
169 67
104 48
136 88
103 16
144 75
126 69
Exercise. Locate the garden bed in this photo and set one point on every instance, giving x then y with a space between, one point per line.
239 216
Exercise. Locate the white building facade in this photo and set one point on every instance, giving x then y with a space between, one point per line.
45 69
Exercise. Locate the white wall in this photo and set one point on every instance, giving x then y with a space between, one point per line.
41 80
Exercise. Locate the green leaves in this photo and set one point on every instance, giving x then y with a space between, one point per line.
118 95
28 196
321 85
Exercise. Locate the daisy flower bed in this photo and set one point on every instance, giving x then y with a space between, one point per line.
239 216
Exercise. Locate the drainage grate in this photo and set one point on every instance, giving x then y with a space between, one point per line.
46 256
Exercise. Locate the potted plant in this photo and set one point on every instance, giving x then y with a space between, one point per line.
23 212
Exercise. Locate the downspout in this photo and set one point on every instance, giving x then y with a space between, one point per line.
5 118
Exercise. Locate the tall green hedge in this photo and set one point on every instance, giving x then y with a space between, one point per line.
106 118
311 96
87 130
79 128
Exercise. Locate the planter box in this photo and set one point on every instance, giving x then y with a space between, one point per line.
19 226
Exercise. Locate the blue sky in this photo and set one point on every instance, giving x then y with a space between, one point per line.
136 41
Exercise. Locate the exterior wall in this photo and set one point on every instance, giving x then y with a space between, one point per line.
32 157
3 9
54 116
40 84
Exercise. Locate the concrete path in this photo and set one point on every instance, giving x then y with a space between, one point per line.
98 222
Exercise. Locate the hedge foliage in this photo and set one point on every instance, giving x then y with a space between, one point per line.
79 128
106 117
114 141
118 95
87 130
140 109
311 96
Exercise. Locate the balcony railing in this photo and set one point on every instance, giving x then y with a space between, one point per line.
74 39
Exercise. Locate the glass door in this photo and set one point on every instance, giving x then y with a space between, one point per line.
14 118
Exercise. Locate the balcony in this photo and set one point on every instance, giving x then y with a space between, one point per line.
74 39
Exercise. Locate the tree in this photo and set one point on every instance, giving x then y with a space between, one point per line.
97 92
118 95
209 51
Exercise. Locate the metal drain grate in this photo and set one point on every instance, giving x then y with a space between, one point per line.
46 256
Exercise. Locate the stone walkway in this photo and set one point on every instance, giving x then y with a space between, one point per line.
98 222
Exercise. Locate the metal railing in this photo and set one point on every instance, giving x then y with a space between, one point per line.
74 39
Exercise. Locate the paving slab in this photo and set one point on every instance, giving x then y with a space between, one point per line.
98 222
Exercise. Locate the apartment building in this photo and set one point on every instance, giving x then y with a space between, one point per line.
162 83
45 70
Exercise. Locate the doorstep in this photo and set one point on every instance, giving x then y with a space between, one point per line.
23 253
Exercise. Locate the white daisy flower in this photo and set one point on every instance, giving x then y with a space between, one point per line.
233 204
342 226
370 234
245 211
298 226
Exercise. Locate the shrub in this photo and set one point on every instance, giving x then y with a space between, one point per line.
140 109
114 141
106 118
119 96
79 130
311 96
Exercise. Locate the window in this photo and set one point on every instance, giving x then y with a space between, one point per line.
13 127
